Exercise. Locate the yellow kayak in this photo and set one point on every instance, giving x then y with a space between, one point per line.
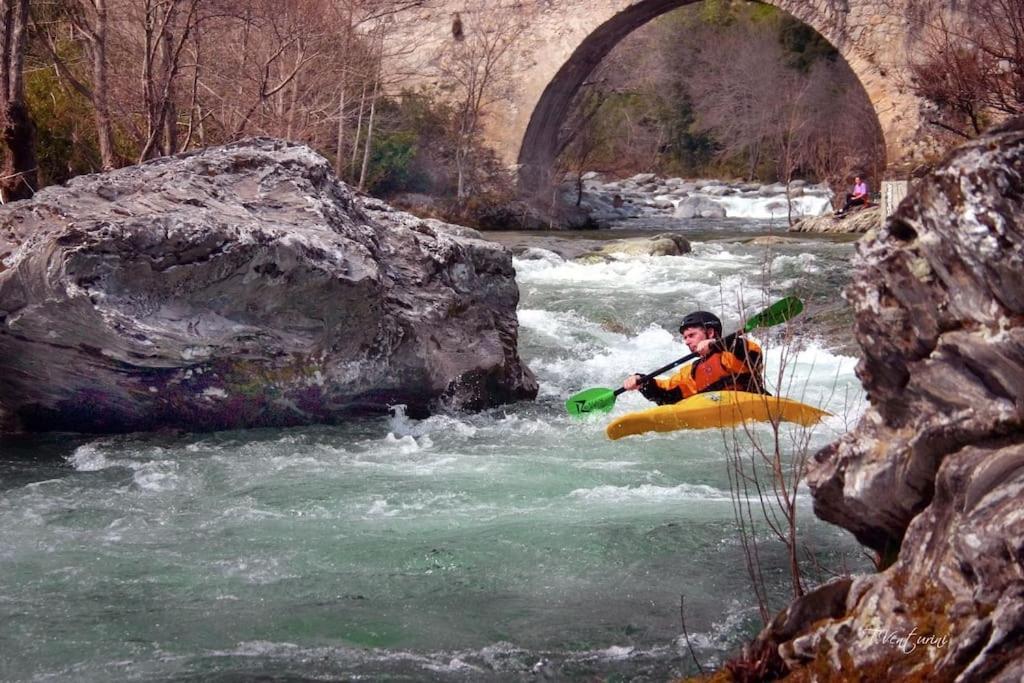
714 409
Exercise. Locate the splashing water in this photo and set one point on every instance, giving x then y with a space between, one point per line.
512 543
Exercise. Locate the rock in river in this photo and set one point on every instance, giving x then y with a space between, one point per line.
244 286
932 477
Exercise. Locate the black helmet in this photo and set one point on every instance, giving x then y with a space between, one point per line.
702 319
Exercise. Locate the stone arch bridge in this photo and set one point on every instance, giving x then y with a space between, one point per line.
565 39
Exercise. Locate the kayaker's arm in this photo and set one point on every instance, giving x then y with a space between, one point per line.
652 391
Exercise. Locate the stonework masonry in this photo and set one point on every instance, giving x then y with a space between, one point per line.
565 39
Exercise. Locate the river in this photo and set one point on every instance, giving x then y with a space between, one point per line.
512 544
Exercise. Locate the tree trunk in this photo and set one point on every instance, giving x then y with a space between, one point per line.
359 129
19 173
293 104
240 90
194 109
369 133
460 174
148 84
101 88
168 110
339 149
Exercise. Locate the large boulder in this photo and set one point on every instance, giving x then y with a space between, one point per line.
244 286
932 477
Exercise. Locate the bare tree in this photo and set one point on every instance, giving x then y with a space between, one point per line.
971 62
478 71
579 138
164 75
88 22
767 468
167 25
368 145
791 137
845 139
18 174
740 83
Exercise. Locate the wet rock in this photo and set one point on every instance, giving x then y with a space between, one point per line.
772 189
771 240
244 286
933 475
665 244
854 222
699 207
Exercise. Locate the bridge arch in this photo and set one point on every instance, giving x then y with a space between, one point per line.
566 39
540 139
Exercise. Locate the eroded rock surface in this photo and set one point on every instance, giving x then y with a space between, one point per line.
933 475
857 221
244 286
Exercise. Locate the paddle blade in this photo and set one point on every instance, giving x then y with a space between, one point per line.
596 400
776 314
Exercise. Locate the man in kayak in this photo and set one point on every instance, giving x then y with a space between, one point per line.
736 367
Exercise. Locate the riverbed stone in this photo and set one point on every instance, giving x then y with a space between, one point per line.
244 286
664 244
858 221
699 207
932 476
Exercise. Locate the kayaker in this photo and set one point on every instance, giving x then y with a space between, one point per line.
738 367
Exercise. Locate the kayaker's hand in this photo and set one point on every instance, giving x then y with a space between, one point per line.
632 382
704 347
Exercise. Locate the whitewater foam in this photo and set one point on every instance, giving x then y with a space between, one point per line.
88 458
650 493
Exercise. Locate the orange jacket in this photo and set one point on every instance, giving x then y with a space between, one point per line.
740 368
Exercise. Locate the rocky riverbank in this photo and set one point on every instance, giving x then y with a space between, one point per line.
243 286
932 477
856 221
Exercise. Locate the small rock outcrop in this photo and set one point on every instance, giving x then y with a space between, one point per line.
855 221
932 477
664 244
244 286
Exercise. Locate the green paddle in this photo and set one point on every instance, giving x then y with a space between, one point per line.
601 400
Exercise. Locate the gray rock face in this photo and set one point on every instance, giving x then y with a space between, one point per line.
243 286
935 469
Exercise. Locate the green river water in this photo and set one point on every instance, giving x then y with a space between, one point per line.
513 544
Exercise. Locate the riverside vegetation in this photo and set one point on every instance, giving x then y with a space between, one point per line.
749 93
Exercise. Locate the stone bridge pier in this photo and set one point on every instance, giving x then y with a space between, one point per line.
565 39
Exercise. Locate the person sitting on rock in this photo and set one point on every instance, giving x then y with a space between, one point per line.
859 196
737 366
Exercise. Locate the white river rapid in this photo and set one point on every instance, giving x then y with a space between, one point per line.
513 544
